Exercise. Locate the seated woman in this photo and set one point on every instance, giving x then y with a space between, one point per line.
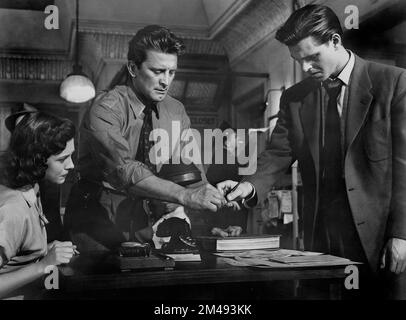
40 147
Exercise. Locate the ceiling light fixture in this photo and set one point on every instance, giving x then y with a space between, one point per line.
77 87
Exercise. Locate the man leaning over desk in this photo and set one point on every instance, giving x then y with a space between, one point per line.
116 171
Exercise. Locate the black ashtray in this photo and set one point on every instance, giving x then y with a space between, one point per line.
135 249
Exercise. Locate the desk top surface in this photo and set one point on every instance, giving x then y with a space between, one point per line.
95 272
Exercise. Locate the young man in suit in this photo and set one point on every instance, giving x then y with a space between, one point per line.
346 125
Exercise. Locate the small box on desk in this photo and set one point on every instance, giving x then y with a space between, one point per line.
145 263
138 256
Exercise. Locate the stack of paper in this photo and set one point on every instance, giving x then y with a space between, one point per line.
281 259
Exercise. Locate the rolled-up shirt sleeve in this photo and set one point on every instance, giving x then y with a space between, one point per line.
12 226
110 149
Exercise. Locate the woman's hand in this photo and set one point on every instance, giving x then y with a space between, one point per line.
59 253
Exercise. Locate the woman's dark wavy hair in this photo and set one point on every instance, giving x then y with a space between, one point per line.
152 37
313 20
35 138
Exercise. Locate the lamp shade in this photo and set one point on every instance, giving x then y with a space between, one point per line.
77 88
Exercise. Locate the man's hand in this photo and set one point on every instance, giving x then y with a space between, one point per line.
205 197
230 231
159 208
242 191
236 206
394 253
55 243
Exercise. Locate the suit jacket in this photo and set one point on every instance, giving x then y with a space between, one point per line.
375 157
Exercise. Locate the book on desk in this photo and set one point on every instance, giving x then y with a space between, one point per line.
246 242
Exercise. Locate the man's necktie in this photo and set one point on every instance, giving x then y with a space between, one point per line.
145 144
144 147
331 151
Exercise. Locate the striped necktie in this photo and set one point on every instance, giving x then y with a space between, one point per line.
145 144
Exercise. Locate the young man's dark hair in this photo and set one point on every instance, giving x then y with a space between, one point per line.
317 21
153 37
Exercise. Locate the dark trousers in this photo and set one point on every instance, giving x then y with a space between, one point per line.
339 237
337 227
339 230
100 219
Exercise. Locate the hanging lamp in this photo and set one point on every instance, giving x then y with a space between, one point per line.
77 87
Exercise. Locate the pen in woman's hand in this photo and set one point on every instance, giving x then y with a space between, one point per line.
75 251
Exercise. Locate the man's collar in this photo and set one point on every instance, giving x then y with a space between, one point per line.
345 74
136 103
30 194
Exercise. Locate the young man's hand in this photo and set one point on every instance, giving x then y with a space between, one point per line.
205 197
395 254
240 192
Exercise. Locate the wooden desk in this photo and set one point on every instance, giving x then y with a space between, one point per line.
88 276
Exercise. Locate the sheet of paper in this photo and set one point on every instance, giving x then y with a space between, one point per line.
286 203
283 258
266 253
287 218
234 262
299 253
258 262
309 259
228 254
